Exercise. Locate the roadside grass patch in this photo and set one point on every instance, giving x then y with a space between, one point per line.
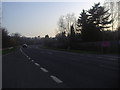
8 50
78 51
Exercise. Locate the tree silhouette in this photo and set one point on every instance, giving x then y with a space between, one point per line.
99 17
93 22
16 37
83 25
61 24
72 34
5 38
46 36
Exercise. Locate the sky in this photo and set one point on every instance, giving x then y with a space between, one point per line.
39 18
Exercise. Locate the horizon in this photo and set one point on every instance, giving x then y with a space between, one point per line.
32 19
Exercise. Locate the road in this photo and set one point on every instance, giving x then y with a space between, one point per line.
34 67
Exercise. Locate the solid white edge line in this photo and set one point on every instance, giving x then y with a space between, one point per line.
56 79
44 70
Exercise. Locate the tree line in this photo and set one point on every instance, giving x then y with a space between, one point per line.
16 39
93 25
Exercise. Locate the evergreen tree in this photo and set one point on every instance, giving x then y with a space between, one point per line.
72 33
5 38
93 22
72 36
99 17
83 25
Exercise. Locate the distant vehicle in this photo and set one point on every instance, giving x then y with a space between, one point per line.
24 46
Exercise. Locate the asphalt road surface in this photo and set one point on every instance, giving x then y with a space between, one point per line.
33 67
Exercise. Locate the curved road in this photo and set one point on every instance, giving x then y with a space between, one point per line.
33 67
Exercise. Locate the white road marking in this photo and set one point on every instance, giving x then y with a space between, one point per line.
29 58
44 70
56 79
25 54
32 60
37 64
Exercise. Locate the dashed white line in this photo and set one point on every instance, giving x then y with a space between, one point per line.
32 60
56 79
37 64
29 58
44 70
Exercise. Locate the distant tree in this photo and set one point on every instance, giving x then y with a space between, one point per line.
46 36
70 20
61 40
5 38
61 24
65 23
17 38
61 37
118 33
71 36
39 37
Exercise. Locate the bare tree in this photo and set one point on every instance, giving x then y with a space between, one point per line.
65 23
70 20
61 24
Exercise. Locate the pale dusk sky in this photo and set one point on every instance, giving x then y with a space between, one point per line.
39 18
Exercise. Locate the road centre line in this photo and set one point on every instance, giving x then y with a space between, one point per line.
37 64
29 58
32 60
25 54
44 70
56 79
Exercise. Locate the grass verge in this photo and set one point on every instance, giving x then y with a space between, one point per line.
79 51
8 50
